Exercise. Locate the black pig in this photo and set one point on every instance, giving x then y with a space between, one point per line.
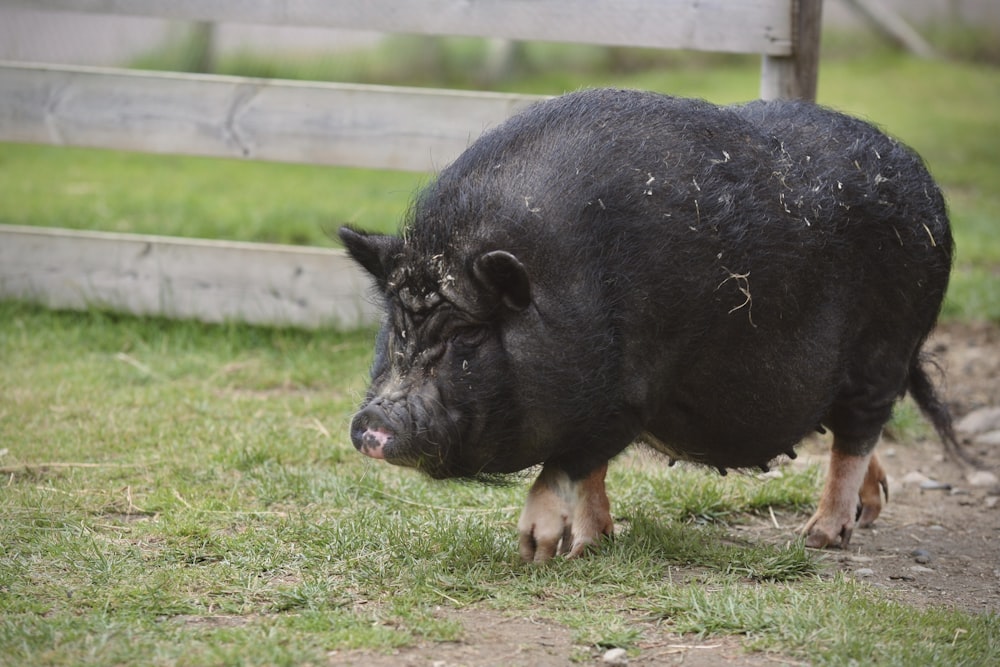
612 266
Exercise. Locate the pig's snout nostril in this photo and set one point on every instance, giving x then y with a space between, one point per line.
370 433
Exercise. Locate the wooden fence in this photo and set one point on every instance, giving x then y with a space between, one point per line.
319 123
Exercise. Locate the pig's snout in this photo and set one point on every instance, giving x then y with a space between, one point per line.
370 433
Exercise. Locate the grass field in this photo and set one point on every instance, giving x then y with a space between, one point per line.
178 493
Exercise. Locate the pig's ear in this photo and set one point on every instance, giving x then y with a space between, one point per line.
502 274
374 252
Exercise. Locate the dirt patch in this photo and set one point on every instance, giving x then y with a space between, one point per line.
939 544
969 354
212 622
935 544
501 641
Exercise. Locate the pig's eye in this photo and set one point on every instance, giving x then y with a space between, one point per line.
468 335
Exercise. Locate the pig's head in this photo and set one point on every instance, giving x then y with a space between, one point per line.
442 395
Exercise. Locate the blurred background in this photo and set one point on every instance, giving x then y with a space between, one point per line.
927 71
956 28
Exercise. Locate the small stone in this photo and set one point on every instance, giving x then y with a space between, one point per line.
913 478
934 485
992 501
991 438
980 421
921 556
864 572
615 656
920 569
981 478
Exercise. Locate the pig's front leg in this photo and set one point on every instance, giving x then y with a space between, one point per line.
563 516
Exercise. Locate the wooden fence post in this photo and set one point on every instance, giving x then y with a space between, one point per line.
794 76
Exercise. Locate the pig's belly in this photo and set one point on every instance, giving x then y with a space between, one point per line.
739 423
739 451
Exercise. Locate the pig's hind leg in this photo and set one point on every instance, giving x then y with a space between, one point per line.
851 479
855 476
874 486
564 516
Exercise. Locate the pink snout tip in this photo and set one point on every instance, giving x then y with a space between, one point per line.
373 442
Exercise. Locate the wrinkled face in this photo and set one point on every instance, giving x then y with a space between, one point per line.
441 397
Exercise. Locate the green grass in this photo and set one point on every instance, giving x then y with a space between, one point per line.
176 492
206 198
906 637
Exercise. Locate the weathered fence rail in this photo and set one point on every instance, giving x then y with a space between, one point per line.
213 281
742 26
259 119
321 123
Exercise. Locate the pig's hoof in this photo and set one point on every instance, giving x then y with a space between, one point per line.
545 537
875 485
562 516
556 534
824 531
